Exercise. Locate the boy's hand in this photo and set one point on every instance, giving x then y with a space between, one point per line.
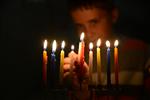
72 72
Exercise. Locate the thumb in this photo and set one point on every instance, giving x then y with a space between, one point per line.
73 56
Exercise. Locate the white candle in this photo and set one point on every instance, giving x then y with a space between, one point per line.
90 61
72 60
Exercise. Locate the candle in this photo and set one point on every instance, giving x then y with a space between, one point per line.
45 57
90 61
53 62
62 60
72 60
81 58
72 48
116 65
72 57
81 52
81 49
99 60
108 64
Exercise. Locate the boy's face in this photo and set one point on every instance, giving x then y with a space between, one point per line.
96 23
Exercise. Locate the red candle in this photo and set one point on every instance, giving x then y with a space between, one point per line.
45 57
116 66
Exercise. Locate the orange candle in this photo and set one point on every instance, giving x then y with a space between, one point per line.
81 49
45 57
90 61
116 66
81 59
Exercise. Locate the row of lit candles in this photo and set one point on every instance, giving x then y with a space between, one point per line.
81 59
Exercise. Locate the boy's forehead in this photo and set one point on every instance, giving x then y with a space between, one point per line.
87 13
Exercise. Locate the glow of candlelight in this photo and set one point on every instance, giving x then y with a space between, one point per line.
54 46
116 43
98 42
63 45
90 45
72 47
45 44
107 43
82 36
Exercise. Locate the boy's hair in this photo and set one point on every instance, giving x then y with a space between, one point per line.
107 5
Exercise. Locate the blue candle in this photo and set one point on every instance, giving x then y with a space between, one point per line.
53 63
108 64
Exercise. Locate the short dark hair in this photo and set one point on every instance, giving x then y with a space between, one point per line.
107 5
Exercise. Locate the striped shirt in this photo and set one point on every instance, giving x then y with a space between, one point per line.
133 56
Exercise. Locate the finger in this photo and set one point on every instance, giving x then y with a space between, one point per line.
72 53
66 74
66 67
73 56
67 60
85 68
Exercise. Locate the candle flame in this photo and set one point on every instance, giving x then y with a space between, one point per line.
63 44
98 42
90 45
45 44
54 46
107 43
116 43
82 36
72 47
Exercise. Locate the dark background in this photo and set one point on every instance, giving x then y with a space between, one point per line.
26 23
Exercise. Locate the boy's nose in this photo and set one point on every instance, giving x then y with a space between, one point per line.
89 32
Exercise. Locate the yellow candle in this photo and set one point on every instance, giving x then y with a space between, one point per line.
99 61
116 66
44 68
90 61
62 61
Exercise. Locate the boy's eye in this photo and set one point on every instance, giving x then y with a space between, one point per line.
79 27
93 22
